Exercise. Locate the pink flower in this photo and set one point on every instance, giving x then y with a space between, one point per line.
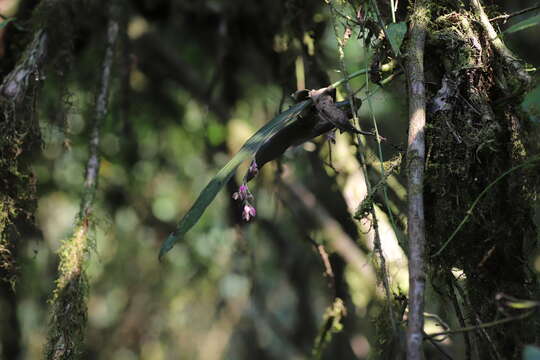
249 212
242 193
253 169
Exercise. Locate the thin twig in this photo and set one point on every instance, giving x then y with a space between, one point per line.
459 314
507 56
92 166
483 325
323 254
520 12
377 243
483 332
349 77
340 242
68 315
16 83
415 173
346 17
438 347
467 305
393 9
377 239
477 200
383 26
338 239
326 261
489 340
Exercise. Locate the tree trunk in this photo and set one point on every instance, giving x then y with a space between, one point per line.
475 133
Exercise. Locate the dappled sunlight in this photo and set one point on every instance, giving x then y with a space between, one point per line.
192 200
355 192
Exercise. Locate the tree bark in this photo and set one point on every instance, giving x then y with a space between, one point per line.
415 174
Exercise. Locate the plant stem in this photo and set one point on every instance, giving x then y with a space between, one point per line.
393 8
349 77
69 308
520 12
483 325
415 174
507 56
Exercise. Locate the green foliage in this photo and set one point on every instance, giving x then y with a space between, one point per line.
531 353
531 104
229 290
247 151
524 24
69 309
396 33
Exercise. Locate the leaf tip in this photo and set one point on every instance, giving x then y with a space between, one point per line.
168 245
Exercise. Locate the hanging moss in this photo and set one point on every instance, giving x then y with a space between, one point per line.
333 317
20 136
69 310
55 24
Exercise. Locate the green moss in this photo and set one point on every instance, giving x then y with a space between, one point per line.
69 309
386 344
21 138
471 143
366 206
331 325
17 188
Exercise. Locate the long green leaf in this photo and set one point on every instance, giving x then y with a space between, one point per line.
247 151
525 24
531 104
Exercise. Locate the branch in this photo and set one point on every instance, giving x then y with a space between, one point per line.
438 347
338 240
341 244
499 46
520 12
92 166
375 227
415 174
68 315
383 26
483 325
16 83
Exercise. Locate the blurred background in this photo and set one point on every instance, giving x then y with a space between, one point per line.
192 81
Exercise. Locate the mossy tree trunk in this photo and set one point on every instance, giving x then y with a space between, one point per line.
475 133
